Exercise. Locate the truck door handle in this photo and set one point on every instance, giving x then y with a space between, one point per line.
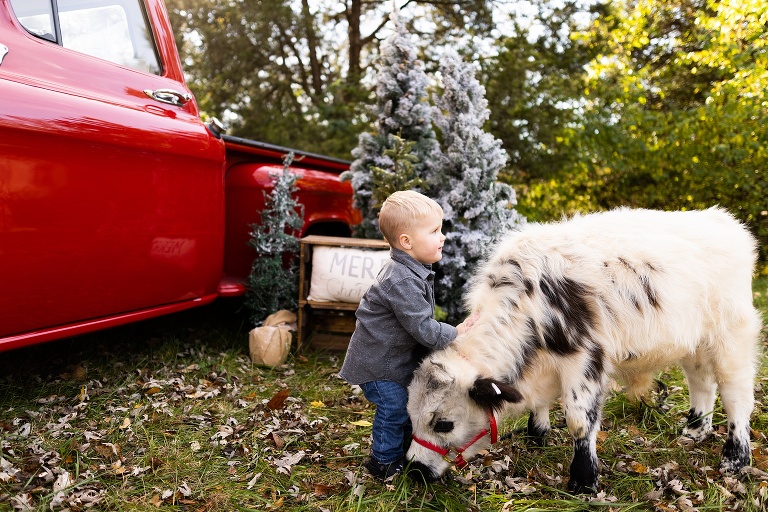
168 96
3 52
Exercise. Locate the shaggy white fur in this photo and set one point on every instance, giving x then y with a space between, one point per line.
565 305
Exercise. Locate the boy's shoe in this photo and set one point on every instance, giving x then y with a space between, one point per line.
383 471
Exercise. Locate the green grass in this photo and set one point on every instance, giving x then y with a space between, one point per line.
170 414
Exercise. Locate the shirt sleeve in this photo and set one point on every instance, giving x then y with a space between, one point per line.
415 313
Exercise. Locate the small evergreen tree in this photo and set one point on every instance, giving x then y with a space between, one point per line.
403 111
401 176
273 283
478 209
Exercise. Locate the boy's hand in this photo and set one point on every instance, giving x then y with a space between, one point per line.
467 324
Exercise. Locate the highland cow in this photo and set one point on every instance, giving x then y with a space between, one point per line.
565 306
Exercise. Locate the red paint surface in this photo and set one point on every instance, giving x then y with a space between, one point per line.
112 205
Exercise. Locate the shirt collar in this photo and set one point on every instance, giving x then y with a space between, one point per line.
423 270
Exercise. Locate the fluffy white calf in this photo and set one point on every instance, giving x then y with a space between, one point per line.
563 306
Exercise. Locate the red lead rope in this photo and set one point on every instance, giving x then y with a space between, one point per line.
456 455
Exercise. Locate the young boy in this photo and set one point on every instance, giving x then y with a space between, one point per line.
395 325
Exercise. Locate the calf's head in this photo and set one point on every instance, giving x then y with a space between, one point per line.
453 411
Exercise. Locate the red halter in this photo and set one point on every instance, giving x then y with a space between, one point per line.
456 455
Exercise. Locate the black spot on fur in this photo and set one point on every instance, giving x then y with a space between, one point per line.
529 287
627 264
572 319
650 293
510 303
736 453
438 377
594 370
593 413
531 344
443 426
556 338
695 419
532 333
499 281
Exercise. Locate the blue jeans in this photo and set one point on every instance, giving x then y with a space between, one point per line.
391 425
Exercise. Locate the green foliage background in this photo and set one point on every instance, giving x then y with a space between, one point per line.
647 103
672 114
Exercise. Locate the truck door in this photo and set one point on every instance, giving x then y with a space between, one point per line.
111 188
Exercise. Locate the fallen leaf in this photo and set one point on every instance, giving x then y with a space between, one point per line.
156 501
361 423
279 443
106 450
253 480
278 401
285 465
759 459
322 490
317 404
62 482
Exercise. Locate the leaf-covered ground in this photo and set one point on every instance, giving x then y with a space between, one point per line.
171 414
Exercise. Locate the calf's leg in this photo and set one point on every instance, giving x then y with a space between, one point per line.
735 371
701 389
538 425
737 397
582 406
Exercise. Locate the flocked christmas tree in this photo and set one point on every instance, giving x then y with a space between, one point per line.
403 111
273 281
478 209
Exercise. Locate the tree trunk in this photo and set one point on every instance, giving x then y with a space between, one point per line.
314 64
354 13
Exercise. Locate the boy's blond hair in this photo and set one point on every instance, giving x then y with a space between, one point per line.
401 210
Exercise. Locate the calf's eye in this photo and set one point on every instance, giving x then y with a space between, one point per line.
443 426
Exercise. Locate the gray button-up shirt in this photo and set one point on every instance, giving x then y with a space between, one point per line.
395 325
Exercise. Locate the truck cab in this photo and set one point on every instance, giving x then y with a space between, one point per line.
113 192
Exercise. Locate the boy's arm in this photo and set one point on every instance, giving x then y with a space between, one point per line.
415 314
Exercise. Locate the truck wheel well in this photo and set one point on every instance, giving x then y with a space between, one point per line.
329 229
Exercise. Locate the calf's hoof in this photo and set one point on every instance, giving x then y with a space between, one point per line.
577 487
735 456
733 466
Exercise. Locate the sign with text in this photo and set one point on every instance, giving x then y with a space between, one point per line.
343 274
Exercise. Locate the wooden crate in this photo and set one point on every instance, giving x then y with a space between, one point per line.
326 325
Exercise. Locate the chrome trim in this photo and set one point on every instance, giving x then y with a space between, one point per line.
169 96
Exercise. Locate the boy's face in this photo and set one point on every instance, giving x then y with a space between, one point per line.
423 241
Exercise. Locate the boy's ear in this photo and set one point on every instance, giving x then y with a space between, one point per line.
405 241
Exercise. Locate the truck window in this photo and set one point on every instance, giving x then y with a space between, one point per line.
113 30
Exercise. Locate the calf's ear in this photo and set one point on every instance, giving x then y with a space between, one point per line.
493 393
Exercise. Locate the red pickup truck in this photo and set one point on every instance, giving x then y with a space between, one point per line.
117 203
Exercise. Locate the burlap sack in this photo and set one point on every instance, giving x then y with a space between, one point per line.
270 344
